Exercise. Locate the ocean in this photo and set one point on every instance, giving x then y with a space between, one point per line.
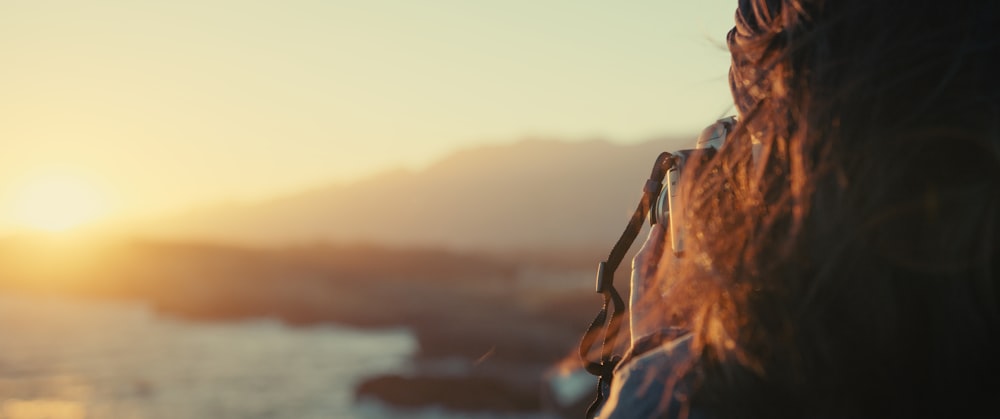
63 358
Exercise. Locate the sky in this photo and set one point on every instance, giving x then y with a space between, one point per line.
131 108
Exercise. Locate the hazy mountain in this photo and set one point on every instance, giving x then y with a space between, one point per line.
529 195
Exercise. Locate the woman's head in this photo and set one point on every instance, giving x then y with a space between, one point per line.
851 266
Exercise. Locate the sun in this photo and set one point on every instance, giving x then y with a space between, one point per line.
56 203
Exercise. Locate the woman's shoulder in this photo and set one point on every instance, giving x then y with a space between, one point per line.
651 381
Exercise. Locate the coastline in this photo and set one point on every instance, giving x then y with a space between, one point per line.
488 329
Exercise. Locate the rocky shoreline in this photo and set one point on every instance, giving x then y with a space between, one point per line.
489 328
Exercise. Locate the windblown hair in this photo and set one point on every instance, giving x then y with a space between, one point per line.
853 269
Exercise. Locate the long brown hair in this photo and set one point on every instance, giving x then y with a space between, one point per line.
853 268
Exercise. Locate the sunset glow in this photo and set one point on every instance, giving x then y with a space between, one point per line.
186 104
57 203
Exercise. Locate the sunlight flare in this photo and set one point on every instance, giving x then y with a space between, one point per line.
57 203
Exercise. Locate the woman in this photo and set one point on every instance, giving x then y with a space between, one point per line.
851 266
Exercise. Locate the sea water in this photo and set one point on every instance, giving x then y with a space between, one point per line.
64 358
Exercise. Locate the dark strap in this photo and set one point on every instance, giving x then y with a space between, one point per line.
605 366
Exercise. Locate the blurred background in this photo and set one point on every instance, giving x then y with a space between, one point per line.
315 209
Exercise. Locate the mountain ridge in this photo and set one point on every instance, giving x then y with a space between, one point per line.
529 194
